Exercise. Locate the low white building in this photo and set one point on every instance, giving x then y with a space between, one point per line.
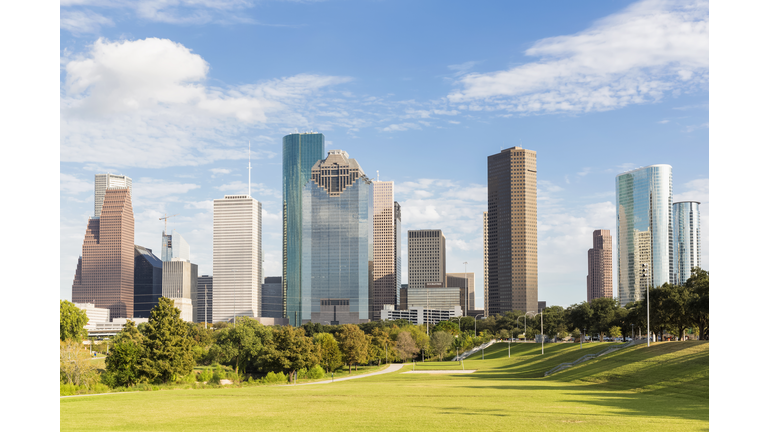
95 315
112 328
419 314
185 306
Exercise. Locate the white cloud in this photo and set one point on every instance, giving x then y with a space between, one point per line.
70 184
175 11
258 190
147 103
663 122
79 22
400 127
692 128
634 56
148 191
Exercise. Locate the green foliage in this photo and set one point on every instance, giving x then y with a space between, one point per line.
205 376
275 378
168 350
124 359
353 345
241 345
316 372
72 321
440 342
380 345
288 350
328 351
614 331
75 365
406 347
698 302
450 327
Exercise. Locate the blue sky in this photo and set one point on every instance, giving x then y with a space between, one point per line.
169 93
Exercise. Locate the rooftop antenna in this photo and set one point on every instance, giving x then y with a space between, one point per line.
377 175
249 168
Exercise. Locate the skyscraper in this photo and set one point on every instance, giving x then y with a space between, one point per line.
300 152
337 243
426 258
485 263
237 257
147 281
174 246
272 297
600 266
467 286
513 278
204 299
106 181
105 270
180 285
687 239
643 230
386 250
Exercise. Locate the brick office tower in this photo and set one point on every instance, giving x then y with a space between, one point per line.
600 263
386 248
513 280
104 274
426 258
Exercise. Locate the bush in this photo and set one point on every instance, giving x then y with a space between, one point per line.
205 375
316 372
301 374
275 378
68 389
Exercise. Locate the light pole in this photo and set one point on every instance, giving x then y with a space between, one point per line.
648 303
234 297
476 323
542 332
466 288
525 322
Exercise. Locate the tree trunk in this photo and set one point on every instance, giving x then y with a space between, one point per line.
350 368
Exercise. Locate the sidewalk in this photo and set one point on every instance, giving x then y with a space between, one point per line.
392 368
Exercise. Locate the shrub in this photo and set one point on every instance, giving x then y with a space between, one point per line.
205 375
275 378
316 372
302 373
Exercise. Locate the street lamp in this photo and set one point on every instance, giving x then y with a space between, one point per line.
234 297
542 332
525 321
476 323
466 289
648 303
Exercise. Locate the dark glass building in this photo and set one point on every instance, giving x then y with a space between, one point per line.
272 297
300 153
337 237
147 281
204 299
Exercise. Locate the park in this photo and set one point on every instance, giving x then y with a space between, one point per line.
661 387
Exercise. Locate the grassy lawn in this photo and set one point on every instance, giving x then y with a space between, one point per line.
664 387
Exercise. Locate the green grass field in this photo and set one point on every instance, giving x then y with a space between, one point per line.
664 387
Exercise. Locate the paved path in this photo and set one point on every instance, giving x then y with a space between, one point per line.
392 368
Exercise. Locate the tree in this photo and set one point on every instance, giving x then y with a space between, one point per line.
675 303
419 337
449 327
614 332
603 314
168 350
380 344
405 346
124 359
698 302
289 350
353 345
240 345
579 316
75 365
554 321
328 350
72 321
440 342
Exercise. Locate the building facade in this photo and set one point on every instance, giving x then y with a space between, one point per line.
300 152
180 285
403 301
272 297
466 282
686 227
513 280
105 270
147 281
337 243
204 299
107 181
435 297
485 263
386 247
237 257
426 258
174 246
600 266
95 315
644 233
420 315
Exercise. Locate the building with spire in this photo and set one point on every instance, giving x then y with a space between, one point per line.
300 153
337 243
386 248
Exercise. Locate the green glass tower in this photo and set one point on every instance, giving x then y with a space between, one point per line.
300 152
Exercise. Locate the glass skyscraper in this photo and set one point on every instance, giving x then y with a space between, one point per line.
337 243
300 153
643 230
687 239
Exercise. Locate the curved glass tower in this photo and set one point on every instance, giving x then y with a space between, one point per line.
643 230
300 152
687 239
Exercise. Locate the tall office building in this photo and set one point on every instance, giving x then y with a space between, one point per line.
434 297
147 281
643 230
272 297
104 274
386 250
426 258
300 152
337 243
686 226
106 181
513 278
204 299
403 300
485 263
174 246
600 266
180 285
237 257
467 287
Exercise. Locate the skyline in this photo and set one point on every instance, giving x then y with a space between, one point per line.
387 118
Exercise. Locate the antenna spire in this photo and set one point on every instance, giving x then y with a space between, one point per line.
377 175
249 168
